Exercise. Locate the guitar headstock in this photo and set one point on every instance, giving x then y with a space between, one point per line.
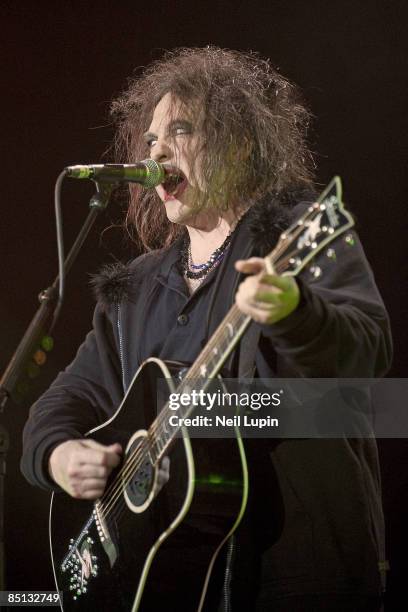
322 222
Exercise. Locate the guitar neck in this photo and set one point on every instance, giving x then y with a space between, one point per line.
220 346
206 367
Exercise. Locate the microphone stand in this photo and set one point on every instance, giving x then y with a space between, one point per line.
29 355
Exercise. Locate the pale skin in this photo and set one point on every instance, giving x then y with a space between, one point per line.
82 467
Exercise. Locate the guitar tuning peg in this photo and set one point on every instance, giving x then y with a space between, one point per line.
315 271
331 254
349 239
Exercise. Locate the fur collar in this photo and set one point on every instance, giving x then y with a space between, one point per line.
266 219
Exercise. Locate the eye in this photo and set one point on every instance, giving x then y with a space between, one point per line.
180 129
151 142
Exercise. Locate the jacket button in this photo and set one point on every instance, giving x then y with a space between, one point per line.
182 319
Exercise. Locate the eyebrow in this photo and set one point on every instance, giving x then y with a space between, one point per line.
176 122
149 136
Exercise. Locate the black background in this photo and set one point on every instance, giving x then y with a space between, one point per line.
62 63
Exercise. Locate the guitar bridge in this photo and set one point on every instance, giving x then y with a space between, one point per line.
104 535
80 565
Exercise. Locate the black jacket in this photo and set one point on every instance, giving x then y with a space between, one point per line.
326 498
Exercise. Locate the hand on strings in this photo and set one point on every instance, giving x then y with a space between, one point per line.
266 298
82 467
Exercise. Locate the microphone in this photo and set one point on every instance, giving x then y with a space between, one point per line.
148 173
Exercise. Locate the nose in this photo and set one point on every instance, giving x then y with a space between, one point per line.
162 152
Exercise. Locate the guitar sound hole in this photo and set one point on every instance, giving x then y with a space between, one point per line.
141 483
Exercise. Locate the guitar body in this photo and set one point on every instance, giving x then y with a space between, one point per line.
136 550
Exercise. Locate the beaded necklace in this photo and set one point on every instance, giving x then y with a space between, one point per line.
195 272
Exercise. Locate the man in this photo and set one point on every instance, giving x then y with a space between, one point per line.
233 132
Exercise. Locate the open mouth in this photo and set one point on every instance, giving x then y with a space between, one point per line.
175 182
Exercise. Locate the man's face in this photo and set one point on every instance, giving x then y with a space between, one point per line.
173 140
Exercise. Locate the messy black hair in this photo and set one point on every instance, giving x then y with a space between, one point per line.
252 127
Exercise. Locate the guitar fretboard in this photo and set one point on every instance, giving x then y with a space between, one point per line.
205 368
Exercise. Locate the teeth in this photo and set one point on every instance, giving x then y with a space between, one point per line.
172 182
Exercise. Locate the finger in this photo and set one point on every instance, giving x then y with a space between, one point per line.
269 288
163 473
101 449
89 494
162 478
263 315
253 265
269 297
255 309
95 457
90 489
89 443
93 444
115 448
264 307
93 484
165 464
90 471
281 282
111 459
250 291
